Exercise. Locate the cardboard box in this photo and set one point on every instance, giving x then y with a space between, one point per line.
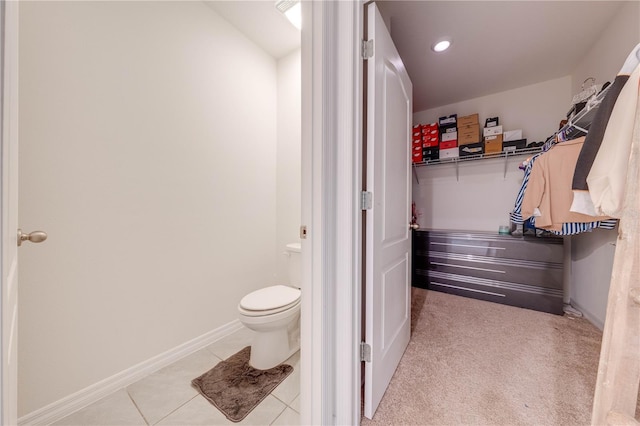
447 129
430 131
492 131
509 146
449 153
469 139
448 120
430 127
492 122
416 157
430 154
511 135
471 149
468 120
469 134
450 136
493 144
474 128
430 141
416 148
448 144
417 134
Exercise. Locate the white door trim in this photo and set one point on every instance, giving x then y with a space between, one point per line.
9 184
331 184
3 399
331 177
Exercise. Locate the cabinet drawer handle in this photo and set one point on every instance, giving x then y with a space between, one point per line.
469 289
466 245
469 267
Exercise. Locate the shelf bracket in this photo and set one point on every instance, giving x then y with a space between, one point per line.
506 158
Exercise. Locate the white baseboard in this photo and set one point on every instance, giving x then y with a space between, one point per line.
74 402
589 316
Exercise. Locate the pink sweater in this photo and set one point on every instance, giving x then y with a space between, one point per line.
549 188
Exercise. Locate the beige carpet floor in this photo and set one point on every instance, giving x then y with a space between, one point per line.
482 363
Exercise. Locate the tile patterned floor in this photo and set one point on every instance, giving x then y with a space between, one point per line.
166 397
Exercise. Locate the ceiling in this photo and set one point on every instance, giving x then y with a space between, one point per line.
497 45
261 22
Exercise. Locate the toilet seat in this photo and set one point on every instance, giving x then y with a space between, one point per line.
269 301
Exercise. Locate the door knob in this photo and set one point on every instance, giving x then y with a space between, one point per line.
34 237
414 226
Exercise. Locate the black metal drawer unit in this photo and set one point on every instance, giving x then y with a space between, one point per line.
517 271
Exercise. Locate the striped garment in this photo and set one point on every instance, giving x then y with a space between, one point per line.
578 228
567 228
516 214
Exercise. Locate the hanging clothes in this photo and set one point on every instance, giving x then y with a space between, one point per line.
582 202
567 228
619 370
608 174
579 228
516 213
548 195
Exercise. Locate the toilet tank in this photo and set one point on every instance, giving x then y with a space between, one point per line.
295 264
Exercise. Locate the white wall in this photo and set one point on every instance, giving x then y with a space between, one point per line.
605 58
483 197
479 201
536 109
592 254
288 157
591 264
148 153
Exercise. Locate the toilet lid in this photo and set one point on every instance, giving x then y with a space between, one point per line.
269 298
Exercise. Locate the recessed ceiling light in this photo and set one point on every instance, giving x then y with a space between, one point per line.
441 45
292 10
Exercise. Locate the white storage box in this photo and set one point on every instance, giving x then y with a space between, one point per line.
512 135
450 153
452 136
492 131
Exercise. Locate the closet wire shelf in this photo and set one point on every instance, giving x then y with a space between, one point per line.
456 161
577 126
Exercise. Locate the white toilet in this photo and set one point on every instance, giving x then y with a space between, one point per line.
273 313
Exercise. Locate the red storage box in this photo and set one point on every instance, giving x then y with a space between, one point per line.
448 144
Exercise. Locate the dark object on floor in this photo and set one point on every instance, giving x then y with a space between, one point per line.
236 388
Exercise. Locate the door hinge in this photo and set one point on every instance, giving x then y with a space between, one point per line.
365 352
367 49
366 200
303 232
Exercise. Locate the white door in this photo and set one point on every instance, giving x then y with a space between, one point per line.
388 238
9 266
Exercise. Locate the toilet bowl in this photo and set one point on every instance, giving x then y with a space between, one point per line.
273 313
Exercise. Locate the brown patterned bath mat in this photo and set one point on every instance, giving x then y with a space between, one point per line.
236 388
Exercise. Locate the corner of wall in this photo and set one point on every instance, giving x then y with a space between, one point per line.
288 165
593 253
606 56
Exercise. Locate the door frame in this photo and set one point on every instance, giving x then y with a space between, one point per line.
331 182
8 230
332 105
3 374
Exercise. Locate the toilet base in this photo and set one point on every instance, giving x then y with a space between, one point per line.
272 348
